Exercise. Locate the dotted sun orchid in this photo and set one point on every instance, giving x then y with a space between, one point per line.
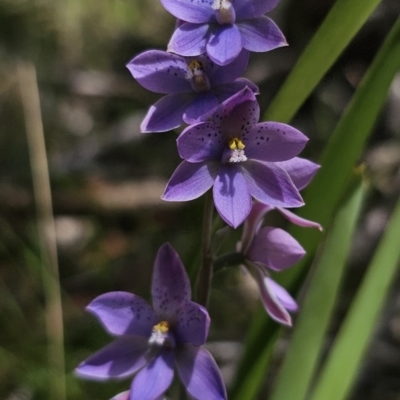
239 158
221 28
149 341
193 86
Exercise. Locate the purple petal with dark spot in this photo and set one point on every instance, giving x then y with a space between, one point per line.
189 39
202 103
231 195
300 170
161 72
273 141
170 287
195 11
190 181
275 249
201 142
166 113
237 114
123 313
121 358
270 184
246 9
200 374
153 380
224 44
193 324
261 34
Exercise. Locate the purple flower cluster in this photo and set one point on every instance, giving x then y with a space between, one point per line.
252 168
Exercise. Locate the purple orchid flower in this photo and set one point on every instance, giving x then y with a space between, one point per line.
149 341
223 27
239 158
193 86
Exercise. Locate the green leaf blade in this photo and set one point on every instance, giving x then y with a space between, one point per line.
307 342
341 368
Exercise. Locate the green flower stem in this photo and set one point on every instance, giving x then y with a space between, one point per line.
206 269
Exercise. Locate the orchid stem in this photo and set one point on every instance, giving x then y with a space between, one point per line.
206 270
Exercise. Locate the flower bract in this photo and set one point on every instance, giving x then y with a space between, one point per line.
149 341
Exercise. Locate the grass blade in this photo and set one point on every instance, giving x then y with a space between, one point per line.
339 27
307 341
341 368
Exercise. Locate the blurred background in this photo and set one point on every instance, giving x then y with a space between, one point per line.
107 179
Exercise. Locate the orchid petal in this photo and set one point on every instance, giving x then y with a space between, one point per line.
170 287
253 223
295 219
237 114
273 141
121 358
196 11
201 142
270 184
300 170
200 374
224 44
189 39
193 324
123 313
246 9
166 113
153 380
220 74
270 301
261 34
202 103
223 92
160 72
231 195
190 181
122 396
275 249
282 295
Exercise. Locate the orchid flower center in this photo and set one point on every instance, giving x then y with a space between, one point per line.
224 11
235 151
198 78
161 336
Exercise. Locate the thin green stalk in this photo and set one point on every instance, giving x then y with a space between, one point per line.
47 236
206 271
